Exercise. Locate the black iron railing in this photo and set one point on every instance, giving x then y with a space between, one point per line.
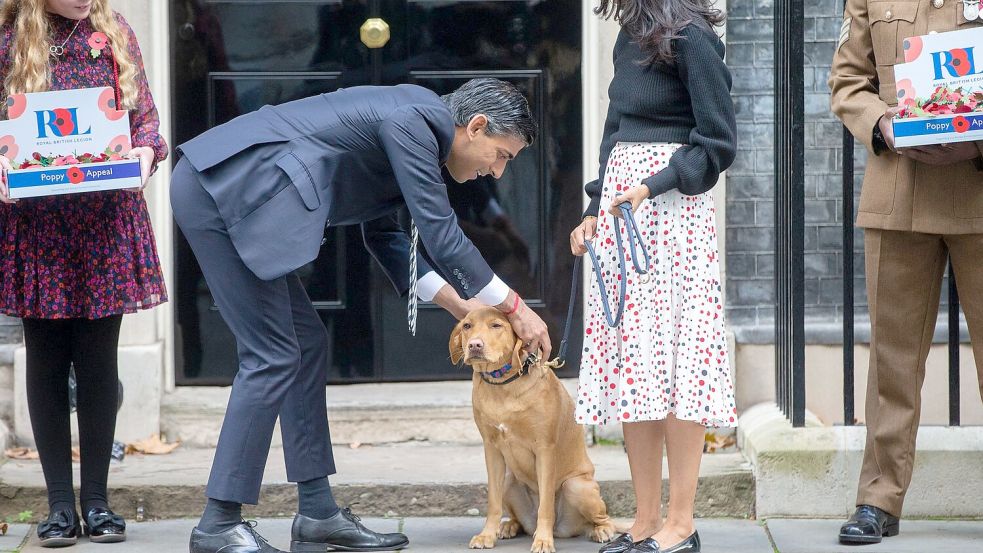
789 231
790 209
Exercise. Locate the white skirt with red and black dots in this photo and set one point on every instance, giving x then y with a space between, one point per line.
669 355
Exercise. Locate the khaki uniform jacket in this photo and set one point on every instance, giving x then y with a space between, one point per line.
899 193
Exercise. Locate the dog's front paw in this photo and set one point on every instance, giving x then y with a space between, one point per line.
602 533
543 544
509 529
482 541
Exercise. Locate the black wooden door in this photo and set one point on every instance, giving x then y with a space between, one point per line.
233 56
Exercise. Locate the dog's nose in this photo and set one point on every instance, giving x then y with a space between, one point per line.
475 345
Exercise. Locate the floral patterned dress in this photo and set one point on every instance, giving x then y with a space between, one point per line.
89 255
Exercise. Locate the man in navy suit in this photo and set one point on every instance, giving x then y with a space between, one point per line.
253 197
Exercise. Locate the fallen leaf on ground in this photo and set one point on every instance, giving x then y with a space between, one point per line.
21 453
713 442
3 528
355 445
151 446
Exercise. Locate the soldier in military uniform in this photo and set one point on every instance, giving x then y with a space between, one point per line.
918 206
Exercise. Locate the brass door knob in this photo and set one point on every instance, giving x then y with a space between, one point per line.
374 33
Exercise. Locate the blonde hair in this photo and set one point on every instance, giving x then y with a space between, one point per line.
30 70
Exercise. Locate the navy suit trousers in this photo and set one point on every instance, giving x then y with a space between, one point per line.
282 346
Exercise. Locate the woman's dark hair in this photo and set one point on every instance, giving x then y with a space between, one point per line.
654 24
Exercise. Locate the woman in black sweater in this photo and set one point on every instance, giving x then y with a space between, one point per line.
664 371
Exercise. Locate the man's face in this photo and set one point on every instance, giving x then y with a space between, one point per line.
476 153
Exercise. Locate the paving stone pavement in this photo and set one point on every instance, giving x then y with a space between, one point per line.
451 535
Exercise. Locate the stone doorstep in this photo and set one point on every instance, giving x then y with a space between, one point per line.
813 471
394 480
363 413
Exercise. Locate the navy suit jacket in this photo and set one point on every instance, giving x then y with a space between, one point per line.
281 174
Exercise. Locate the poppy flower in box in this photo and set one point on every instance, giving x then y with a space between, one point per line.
8 147
97 41
16 104
75 175
107 104
119 146
961 124
912 48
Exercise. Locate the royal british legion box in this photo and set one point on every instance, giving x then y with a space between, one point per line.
67 142
940 89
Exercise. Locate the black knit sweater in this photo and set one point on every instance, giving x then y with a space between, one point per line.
687 103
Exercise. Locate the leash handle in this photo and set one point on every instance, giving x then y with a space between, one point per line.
634 236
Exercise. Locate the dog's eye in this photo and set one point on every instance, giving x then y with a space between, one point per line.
497 325
467 326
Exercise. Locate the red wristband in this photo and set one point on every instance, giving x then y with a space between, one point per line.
515 306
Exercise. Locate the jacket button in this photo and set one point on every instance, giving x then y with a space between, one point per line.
938 3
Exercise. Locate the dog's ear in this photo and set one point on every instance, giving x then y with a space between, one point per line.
454 345
517 354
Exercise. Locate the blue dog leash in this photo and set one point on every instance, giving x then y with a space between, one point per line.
634 235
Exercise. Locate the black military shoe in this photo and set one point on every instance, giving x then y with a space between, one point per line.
240 539
620 544
61 529
868 525
341 532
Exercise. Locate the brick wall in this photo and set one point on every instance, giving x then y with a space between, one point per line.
750 182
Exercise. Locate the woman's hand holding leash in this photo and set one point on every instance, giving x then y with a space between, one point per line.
634 195
584 232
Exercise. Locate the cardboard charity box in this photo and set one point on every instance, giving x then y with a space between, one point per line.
66 142
940 88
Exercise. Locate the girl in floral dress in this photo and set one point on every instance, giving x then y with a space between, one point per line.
72 265
663 372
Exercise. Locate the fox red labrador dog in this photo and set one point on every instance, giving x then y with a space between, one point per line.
539 473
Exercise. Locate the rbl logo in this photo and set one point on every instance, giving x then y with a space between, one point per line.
958 62
59 122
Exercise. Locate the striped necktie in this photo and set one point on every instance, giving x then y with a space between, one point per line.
411 308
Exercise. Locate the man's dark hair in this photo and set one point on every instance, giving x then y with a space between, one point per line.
501 102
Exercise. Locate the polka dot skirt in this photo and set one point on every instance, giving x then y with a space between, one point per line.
669 354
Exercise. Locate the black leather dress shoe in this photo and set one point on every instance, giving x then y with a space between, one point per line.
620 544
689 545
60 529
341 532
868 525
104 526
240 539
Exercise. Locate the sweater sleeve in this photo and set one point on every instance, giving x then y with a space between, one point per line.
695 167
611 124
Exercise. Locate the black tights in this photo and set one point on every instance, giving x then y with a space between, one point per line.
53 346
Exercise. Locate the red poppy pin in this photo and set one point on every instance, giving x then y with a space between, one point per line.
97 41
75 175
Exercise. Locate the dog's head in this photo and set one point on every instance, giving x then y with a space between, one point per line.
485 340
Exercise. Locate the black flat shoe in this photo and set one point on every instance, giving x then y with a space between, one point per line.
341 532
868 525
689 545
104 526
61 529
242 538
620 544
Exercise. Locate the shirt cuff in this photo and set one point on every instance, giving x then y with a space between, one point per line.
428 286
494 293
